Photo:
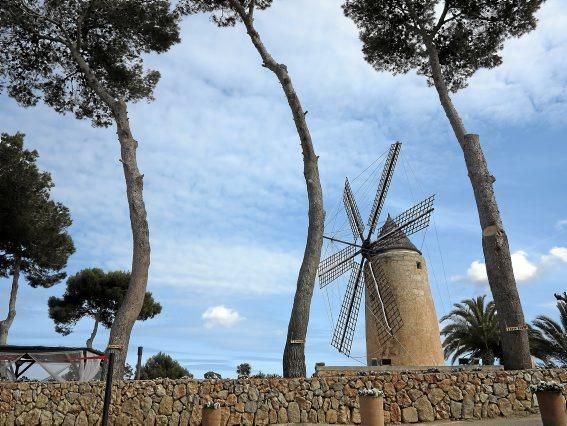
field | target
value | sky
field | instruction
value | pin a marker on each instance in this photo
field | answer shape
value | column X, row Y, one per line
column 225, row 191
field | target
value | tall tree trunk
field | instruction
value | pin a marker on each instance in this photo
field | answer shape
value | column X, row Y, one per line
column 515, row 344
column 90, row 340
column 294, row 352
column 134, row 299
column 7, row 323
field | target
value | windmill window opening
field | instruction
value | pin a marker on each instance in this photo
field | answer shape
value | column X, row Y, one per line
column 418, row 265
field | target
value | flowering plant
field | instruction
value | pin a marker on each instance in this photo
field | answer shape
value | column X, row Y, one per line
column 370, row 392
column 212, row 405
column 546, row 387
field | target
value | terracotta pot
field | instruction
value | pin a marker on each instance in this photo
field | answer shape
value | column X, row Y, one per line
column 211, row 417
column 552, row 408
column 371, row 410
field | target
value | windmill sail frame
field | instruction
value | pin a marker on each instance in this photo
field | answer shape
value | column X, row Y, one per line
column 382, row 303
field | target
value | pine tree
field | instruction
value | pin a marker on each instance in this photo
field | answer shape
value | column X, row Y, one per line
column 448, row 41
column 34, row 238
column 228, row 13
column 96, row 294
column 85, row 57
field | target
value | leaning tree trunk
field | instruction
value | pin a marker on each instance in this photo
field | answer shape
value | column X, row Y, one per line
column 90, row 340
column 515, row 342
column 7, row 323
column 134, row 299
column 294, row 352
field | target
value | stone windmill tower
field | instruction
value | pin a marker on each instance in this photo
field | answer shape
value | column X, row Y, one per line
column 406, row 286
column 401, row 323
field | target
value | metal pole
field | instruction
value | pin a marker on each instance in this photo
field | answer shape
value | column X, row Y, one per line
column 108, row 389
column 139, row 363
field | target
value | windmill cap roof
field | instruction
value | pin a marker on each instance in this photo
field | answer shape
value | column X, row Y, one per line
column 401, row 243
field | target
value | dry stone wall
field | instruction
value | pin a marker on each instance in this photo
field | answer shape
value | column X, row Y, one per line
column 410, row 397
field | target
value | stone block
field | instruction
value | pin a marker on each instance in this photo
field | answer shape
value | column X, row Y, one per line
column 456, row 409
column 293, row 413
column 424, row 408
column 409, row 415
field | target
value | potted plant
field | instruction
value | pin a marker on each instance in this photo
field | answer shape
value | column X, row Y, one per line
column 371, row 407
column 211, row 414
column 551, row 403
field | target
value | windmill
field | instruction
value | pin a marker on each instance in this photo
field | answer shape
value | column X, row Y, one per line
column 357, row 256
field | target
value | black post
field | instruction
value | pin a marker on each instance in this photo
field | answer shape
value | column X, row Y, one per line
column 139, row 363
column 108, row 389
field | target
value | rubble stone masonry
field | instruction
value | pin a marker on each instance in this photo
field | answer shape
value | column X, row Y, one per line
column 410, row 397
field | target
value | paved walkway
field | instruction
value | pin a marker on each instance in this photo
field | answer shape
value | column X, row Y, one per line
column 520, row 421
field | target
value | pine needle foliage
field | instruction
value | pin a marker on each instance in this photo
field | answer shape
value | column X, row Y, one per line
column 33, row 227
column 96, row 294
column 36, row 59
column 468, row 34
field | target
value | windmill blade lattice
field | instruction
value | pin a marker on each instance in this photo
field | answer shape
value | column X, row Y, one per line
column 382, row 304
column 408, row 223
column 337, row 264
column 353, row 214
column 383, row 186
column 346, row 324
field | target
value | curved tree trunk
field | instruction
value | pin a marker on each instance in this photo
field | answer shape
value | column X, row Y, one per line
column 515, row 344
column 294, row 352
column 134, row 299
column 90, row 340
column 7, row 323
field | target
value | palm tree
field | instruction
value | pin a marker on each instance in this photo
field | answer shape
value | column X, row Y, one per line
column 548, row 338
column 472, row 329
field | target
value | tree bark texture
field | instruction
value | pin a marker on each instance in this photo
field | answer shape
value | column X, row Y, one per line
column 515, row 344
column 7, row 323
column 134, row 299
column 90, row 340
column 294, row 352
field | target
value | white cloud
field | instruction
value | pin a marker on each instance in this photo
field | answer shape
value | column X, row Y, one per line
column 221, row 316
column 559, row 253
column 524, row 270
column 555, row 255
column 561, row 224
column 477, row 272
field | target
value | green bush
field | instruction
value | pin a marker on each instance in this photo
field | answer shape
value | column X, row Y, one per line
column 163, row 366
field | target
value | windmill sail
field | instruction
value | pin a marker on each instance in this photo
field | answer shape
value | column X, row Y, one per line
column 346, row 324
column 383, row 186
column 382, row 304
column 409, row 222
column 335, row 265
column 352, row 212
